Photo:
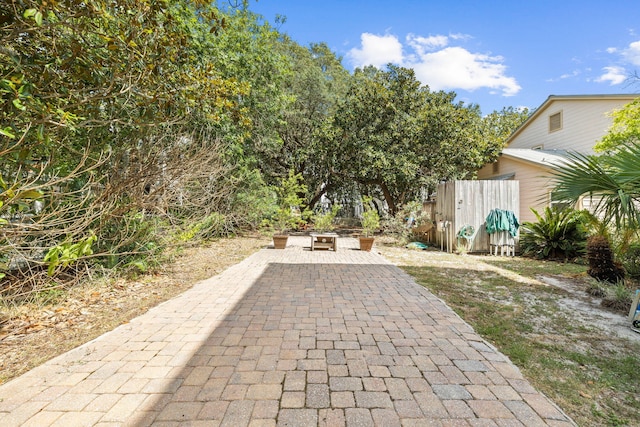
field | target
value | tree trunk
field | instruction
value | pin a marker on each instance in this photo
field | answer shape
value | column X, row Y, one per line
column 393, row 208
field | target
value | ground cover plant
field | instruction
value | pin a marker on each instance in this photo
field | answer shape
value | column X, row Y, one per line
column 581, row 355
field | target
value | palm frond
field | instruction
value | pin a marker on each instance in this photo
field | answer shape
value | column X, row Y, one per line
column 583, row 175
column 613, row 180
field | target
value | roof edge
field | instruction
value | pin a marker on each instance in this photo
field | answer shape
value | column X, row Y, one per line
column 553, row 157
column 551, row 98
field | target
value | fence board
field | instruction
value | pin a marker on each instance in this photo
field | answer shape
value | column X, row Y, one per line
column 466, row 204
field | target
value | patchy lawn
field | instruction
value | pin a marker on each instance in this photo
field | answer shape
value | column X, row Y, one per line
column 581, row 355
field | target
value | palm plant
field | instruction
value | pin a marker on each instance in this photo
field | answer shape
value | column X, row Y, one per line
column 559, row 234
column 601, row 264
column 612, row 180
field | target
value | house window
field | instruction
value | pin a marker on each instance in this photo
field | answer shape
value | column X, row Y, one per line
column 555, row 121
column 496, row 167
column 555, row 202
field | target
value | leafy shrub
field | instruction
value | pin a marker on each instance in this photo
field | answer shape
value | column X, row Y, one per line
column 409, row 224
column 288, row 215
column 252, row 202
column 370, row 217
column 560, row 234
column 630, row 259
column 131, row 237
column 618, row 297
column 212, row 226
column 67, row 253
column 596, row 289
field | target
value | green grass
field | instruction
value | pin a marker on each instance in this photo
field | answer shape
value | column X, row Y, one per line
column 594, row 378
column 531, row 268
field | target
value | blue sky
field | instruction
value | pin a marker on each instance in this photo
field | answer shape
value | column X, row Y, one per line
column 491, row 53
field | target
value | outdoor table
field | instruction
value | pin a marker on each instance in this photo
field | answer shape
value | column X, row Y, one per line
column 324, row 241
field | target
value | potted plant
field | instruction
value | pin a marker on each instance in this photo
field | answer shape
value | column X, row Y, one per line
column 287, row 214
column 370, row 223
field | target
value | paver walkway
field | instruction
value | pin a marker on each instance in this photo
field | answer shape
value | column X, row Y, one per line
column 286, row 338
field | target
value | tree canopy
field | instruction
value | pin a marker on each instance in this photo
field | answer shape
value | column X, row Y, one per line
column 129, row 125
column 625, row 128
column 112, row 116
column 393, row 135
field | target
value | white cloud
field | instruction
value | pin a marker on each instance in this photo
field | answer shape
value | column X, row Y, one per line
column 460, row 36
column 422, row 44
column 436, row 63
column 574, row 73
column 457, row 68
column 376, row 50
column 614, row 75
column 632, row 53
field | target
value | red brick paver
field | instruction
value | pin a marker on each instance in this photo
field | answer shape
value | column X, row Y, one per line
column 286, row 338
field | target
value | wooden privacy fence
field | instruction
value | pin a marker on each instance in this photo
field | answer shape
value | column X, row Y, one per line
column 462, row 208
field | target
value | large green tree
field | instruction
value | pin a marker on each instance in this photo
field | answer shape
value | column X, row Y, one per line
column 104, row 68
column 499, row 125
column 314, row 79
column 624, row 129
column 393, row 135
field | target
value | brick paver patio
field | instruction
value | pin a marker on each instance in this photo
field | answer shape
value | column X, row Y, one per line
column 286, row 338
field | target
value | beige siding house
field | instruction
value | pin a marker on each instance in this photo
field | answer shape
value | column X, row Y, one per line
column 562, row 123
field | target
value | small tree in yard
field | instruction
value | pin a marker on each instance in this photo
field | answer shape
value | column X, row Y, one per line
column 324, row 221
column 289, row 194
column 370, row 218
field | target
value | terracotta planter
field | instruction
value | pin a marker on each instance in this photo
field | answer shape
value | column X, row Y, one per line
column 280, row 241
column 366, row 243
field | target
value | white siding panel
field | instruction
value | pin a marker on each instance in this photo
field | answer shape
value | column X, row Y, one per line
column 486, row 172
column 535, row 184
column 584, row 122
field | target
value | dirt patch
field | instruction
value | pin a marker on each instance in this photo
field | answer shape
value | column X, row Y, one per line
column 574, row 300
column 589, row 311
column 34, row 333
